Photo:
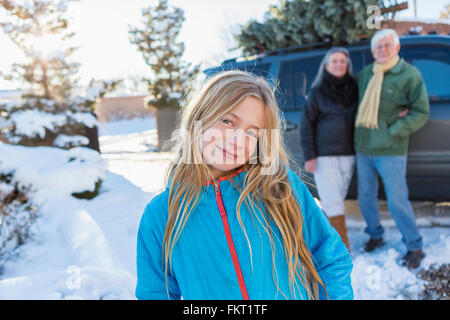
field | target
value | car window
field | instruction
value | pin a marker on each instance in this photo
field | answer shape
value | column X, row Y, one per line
column 305, row 72
column 431, row 61
column 285, row 91
column 295, row 78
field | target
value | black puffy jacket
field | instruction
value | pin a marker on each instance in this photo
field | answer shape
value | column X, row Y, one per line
column 327, row 125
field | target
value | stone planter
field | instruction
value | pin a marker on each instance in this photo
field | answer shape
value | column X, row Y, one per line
column 166, row 121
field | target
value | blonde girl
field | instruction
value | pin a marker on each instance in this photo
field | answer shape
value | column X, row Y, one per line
column 234, row 222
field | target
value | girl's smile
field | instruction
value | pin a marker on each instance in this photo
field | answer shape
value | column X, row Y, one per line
column 227, row 154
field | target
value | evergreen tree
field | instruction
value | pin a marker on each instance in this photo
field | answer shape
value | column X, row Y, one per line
column 299, row 22
column 40, row 29
column 156, row 39
column 33, row 26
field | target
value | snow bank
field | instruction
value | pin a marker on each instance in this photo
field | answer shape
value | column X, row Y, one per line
column 50, row 169
column 82, row 249
column 381, row 277
column 32, row 123
column 378, row 275
column 65, row 141
column 74, row 283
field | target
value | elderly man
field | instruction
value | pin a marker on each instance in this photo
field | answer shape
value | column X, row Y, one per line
column 393, row 103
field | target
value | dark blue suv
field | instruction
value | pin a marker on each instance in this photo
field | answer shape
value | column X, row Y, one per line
column 429, row 151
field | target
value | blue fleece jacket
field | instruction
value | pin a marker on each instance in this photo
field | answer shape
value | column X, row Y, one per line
column 202, row 262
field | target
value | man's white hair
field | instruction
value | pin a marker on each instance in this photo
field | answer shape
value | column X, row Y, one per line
column 380, row 34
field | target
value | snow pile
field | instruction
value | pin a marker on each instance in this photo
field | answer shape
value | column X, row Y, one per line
column 33, row 123
column 384, row 278
column 378, row 275
column 56, row 170
column 85, row 118
column 66, row 141
column 82, row 249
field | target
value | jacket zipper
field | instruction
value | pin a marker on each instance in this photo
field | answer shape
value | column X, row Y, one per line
column 226, row 227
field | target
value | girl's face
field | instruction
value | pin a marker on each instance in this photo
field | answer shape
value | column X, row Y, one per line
column 337, row 64
column 230, row 142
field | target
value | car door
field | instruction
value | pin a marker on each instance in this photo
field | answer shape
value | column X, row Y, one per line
column 429, row 149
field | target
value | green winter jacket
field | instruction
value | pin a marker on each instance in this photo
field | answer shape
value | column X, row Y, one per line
column 403, row 87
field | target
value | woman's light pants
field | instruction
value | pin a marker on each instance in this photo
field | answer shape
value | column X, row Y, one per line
column 333, row 176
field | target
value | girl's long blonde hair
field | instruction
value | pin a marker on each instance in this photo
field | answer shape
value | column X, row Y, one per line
column 220, row 94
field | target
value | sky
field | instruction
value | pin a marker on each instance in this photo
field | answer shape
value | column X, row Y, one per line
column 102, row 33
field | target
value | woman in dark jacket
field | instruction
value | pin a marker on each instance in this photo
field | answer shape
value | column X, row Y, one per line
column 327, row 134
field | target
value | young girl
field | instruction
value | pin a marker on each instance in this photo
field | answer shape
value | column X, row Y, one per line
column 234, row 222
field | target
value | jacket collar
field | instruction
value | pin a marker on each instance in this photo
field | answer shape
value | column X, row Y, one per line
column 226, row 187
column 398, row 67
column 224, row 178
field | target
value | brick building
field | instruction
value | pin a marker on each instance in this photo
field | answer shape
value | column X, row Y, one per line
column 420, row 26
column 127, row 107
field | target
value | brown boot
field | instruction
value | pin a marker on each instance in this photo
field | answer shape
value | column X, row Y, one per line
column 338, row 222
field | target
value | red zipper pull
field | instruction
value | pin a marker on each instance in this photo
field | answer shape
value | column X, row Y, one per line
column 219, row 199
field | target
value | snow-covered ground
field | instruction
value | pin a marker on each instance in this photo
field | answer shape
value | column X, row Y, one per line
column 85, row 249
